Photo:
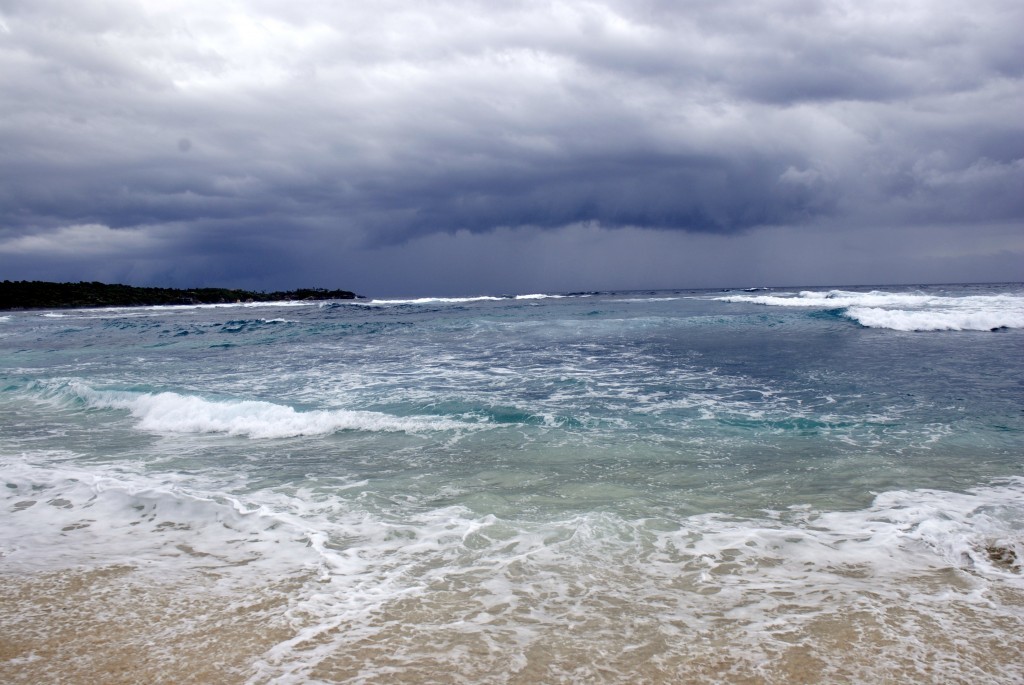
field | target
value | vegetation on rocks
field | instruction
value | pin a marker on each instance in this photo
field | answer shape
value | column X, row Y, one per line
column 45, row 295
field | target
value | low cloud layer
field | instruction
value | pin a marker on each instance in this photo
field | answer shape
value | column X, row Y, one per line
column 267, row 145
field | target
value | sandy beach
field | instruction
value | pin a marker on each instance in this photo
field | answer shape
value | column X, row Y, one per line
column 116, row 625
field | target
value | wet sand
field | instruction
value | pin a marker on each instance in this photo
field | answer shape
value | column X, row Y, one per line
column 119, row 625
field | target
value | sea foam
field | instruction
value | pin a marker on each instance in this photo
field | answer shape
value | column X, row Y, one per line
column 62, row 516
column 170, row 412
column 744, row 584
column 905, row 311
column 963, row 319
column 437, row 300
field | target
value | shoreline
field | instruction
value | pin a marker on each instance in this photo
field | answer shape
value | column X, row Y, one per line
column 124, row 624
column 35, row 295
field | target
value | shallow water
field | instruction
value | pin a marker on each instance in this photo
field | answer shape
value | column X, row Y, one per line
column 683, row 486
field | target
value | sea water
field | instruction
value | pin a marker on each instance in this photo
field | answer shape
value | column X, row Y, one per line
column 819, row 485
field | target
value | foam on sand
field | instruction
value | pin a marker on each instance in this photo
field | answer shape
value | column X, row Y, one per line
column 407, row 598
column 902, row 576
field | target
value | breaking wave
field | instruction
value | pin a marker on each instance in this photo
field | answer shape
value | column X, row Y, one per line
column 464, row 300
column 905, row 311
column 437, row 300
column 170, row 412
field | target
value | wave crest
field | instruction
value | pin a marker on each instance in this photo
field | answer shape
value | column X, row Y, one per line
column 170, row 412
column 905, row 311
column 932, row 320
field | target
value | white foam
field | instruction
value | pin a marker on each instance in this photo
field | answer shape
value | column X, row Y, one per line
column 231, row 305
column 836, row 299
column 539, row 296
column 943, row 320
column 396, row 587
column 157, row 310
column 65, row 516
column 438, row 300
column 164, row 309
column 906, row 311
column 169, row 412
column 596, row 579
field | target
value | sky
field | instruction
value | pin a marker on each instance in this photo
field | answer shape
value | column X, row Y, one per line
column 401, row 147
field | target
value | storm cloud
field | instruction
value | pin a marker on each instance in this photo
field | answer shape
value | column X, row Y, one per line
column 397, row 146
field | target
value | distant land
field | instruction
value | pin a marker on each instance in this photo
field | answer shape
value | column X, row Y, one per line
column 44, row 295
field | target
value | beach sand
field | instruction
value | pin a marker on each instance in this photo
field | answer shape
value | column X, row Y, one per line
column 118, row 624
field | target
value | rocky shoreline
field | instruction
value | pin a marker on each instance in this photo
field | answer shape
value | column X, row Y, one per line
column 46, row 295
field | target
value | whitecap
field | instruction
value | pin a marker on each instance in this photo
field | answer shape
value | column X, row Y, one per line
column 910, row 311
column 170, row 412
column 437, row 300
column 950, row 319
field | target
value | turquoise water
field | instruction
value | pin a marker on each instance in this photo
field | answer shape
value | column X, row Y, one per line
column 560, row 488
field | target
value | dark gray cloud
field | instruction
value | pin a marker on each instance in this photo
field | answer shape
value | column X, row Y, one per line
column 184, row 140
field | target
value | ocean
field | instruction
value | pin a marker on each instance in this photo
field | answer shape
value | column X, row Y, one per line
column 694, row 486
